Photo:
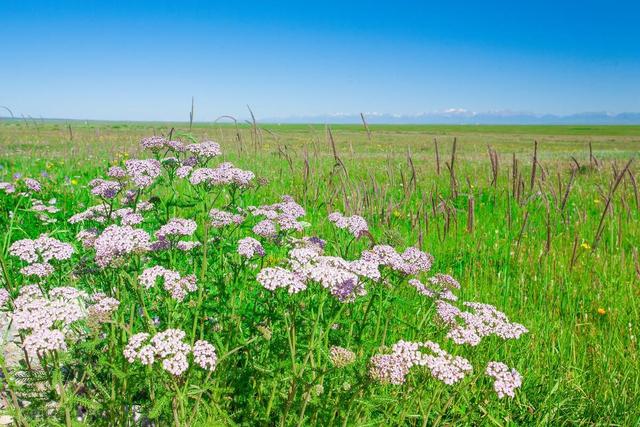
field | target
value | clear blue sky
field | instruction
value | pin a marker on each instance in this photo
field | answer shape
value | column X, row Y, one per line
column 143, row 60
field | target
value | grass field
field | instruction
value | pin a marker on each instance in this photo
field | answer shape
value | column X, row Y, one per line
column 543, row 222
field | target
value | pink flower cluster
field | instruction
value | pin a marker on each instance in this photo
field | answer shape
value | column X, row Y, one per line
column 169, row 347
column 250, row 247
column 128, row 216
column 204, row 355
column 224, row 174
column 116, row 172
column 117, row 241
column 4, row 297
column 37, row 269
column 96, row 213
column 272, row 278
column 356, row 224
column 105, row 189
column 46, row 318
column 441, row 287
column 485, row 320
column 39, row 206
column 143, row 173
column 7, row 187
column 87, row 237
column 176, row 285
column 102, row 308
column 38, row 253
column 205, row 149
column 153, row 143
column 283, row 216
column 411, row 262
column 341, row 357
column 265, row 228
column 169, row 234
column 176, row 227
column 220, row 218
column 506, row 380
column 44, row 248
column 342, row 278
column 393, row 368
column 33, row 185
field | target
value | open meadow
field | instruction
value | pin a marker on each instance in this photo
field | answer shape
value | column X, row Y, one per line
column 164, row 303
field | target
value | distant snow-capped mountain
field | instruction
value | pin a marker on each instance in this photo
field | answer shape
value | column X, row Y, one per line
column 462, row 116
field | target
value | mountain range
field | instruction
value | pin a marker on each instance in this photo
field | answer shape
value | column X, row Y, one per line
column 460, row 116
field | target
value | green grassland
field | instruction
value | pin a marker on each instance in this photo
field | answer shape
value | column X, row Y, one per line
column 556, row 251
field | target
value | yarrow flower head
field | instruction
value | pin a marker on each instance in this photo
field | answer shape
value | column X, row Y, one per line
column 265, row 228
column 7, row 187
column 250, row 247
column 102, row 308
column 33, row 185
column 506, row 380
column 43, row 248
column 4, row 297
column 341, row 357
column 175, row 284
column 411, row 262
column 206, row 149
column 46, row 318
column 96, row 213
column 169, row 348
column 128, row 216
column 272, row 278
column 441, row 287
column 38, row 269
column 177, row 227
column 224, row 174
column 220, row 218
column 284, row 214
column 153, row 143
column 43, row 341
column 143, row 173
column 356, row 224
column 117, row 241
column 342, row 278
column 105, row 189
column 204, row 355
column 169, row 234
column 393, row 368
column 485, row 320
column 88, row 237
column 183, row 171
column 116, row 172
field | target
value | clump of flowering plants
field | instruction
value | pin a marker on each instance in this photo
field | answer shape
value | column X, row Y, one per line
column 175, row 298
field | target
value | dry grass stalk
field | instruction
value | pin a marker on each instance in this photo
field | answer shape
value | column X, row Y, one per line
column 470, row 214
column 366, row 126
column 435, row 142
column 534, row 164
column 612, row 192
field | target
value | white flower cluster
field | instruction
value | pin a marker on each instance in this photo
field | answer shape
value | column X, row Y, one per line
column 38, row 253
column 46, row 319
column 393, row 368
column 169, row 348
column 506, row 380
column 356, row 224
column 281, row 216
column 175, row 284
